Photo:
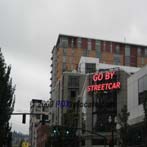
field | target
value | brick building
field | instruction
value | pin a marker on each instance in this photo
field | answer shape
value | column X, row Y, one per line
column 68, row 50
column 42, row 135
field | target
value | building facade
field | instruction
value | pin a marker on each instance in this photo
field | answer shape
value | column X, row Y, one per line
column 74, row 62
column 42, row 135
column 39, row 107
column 65, row 94
column 68, row 50
column 137, row 94
column 107, row 102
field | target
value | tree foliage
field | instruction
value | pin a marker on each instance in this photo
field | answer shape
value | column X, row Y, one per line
column 7, row 100
column 123, row 122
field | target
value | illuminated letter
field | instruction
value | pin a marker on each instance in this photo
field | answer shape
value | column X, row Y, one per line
column 106, row 86
column 112, row 74
column 110, row 84
column 95, row 87
column 58, row 103
column 107, row 75
column 102, row 86
column 95, row 77
column 118, row 84
column 100, row 76
column 88, row 88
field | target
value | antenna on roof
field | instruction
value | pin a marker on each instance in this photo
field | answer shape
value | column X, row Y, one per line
column 125, row 39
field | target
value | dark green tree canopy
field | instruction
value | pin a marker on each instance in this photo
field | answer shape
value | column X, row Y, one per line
column 7, row 99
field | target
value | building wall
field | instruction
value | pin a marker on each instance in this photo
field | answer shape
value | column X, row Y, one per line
column 121, row 101
column 122, row 93
column 36, row 106
column 136, row 110
column 42, row 135
column 69, row 49
column 61, row 93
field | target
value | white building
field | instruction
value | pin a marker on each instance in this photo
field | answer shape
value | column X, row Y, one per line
column 137, row 88
column 36, row 106
column 89, row 62
column 88, row 65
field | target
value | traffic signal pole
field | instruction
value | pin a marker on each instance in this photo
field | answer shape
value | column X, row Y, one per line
column 24, row 116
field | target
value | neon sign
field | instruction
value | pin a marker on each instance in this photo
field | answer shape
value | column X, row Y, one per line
column 104, row 86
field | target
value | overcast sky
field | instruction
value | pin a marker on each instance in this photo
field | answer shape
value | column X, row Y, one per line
column 29, row 30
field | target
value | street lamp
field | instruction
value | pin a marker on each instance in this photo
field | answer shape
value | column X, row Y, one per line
column 113, row 121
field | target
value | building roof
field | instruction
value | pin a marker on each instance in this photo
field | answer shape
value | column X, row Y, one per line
column 73, row 36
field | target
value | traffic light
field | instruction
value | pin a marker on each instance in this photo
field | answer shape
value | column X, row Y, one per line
column 56, row 131
column 69, row 132
column 24, row 118
column 63, row 131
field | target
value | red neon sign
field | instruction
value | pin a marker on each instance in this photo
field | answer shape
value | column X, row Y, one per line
column 104, row 86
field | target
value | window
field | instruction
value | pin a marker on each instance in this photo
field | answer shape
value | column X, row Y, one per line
column 85, row 52
column 142, row 60
column 139, row 51
column 127, row 60
column 104, row 46
column 145, row 52
column 64, row 67
column 90, row 67
column 117, row 49
column 64, row 42
column 64, row 51
column 142, row 89
column 89, row 44
column 111, row 47
column 133, row 61
column 64, row 59
column 116, row 59
column 72, row 51
column 97, row 45
column 73, row 81
column 70, row 59
column 98, row 49
column 73, row 93
column 37, row 116
column 79, row 43
column 38, row 109
column 72, row 43
column 127, row 50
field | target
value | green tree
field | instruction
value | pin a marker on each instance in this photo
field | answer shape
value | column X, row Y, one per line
column 7, row 100
column 123, row 122
column 145, row 119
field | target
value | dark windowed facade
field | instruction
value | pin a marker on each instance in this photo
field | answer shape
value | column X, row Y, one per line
column 73, row 82
column 90, row 67
column 136, row 136
column 104, row 106
column 142, row 89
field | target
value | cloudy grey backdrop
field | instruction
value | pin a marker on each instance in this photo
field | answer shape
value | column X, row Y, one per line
column 29, row 29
